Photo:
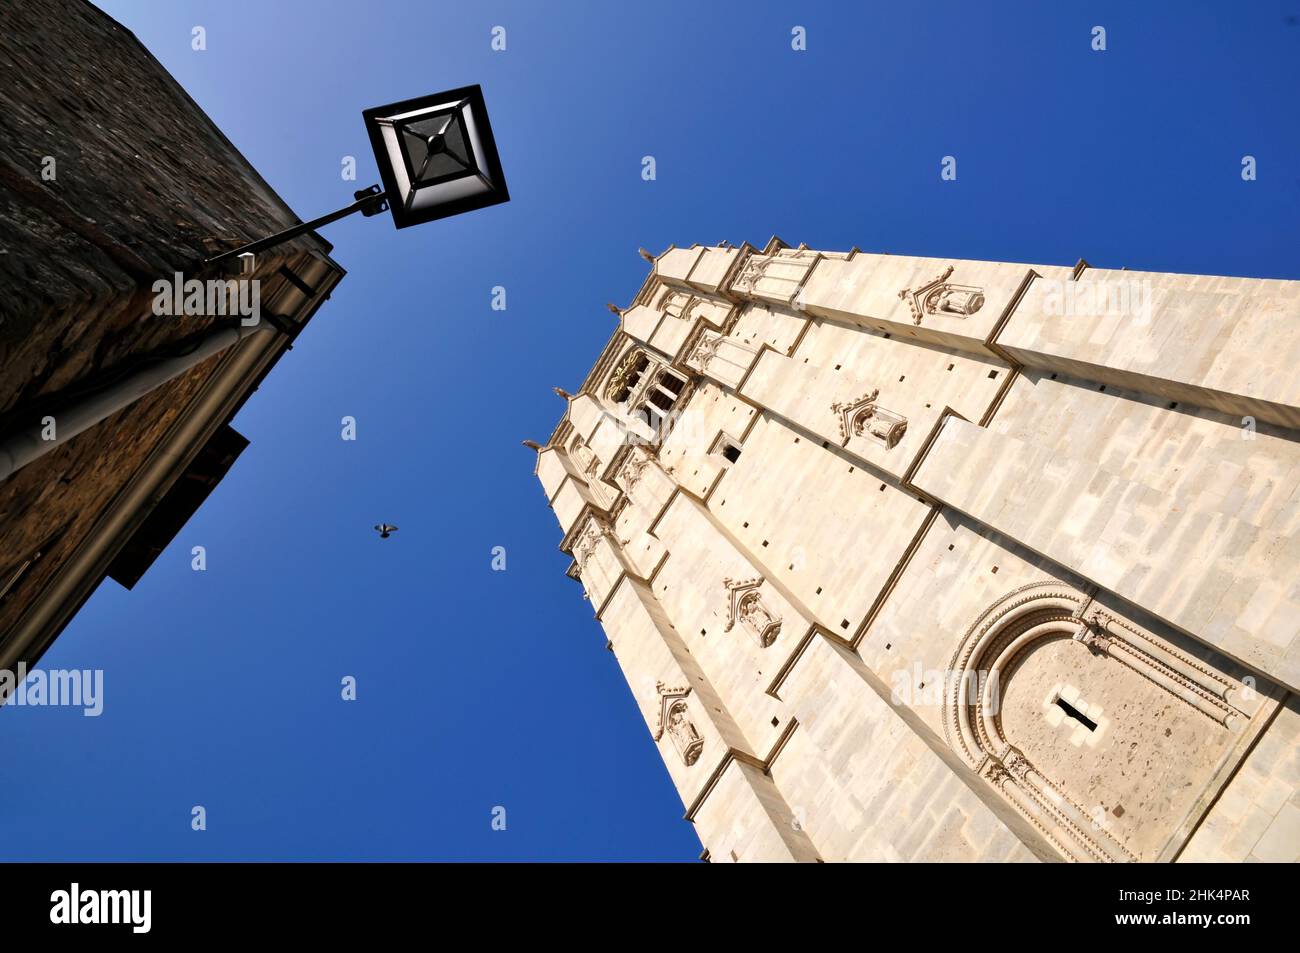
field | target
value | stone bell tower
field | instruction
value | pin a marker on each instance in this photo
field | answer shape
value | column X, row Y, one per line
column 921, row 559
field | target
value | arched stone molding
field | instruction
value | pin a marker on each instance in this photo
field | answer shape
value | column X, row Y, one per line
column 989, row 652
column 702, row 349
column 587, row 539
column 634, row 466
column 677, row 304
column 584, row 457
column 589, row 466
column 775, row 277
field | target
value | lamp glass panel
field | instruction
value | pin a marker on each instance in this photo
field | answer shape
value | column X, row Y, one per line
column 436, row 156
column 436, row 147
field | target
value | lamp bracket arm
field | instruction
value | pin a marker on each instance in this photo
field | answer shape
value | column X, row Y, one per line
column 368, row 201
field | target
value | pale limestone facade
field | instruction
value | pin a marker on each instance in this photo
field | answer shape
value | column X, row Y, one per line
column 918, row 559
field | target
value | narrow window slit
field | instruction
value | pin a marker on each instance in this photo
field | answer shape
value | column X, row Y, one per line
column 1077, row 715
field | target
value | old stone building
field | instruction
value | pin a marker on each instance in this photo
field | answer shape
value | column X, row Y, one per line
column 112, row 178
column 920, row 559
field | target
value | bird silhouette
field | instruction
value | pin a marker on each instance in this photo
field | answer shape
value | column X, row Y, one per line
column 385, row 530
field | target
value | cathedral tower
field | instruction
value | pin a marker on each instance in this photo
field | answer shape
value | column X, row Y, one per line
column 921, row 559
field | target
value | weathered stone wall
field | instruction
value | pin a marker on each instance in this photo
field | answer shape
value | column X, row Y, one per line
column 1257, row 817
column 143, row 185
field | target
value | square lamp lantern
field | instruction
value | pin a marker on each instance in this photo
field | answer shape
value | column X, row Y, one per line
column 436, row 156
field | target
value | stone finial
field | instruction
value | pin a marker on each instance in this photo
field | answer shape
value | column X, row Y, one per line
column 561, row 392
column 614, row 308
column 532, row 444
column 646, row 255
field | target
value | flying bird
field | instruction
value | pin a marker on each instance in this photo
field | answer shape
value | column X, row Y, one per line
column 385, row 530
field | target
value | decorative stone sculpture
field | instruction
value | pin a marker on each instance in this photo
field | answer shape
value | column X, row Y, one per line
column 960, row 300
column 587, row 542
column 745, row 605
column 632, row 470
column 940, row 297
column 674, row 717
column 750, row 274
column 686, row 739
column 864, row 418
column 704, row 349
column 588, row 462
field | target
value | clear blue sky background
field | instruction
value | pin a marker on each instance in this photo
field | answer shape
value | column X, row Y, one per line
column 479, row 688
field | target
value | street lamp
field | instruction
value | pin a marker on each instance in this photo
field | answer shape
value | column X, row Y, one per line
column 436, row 157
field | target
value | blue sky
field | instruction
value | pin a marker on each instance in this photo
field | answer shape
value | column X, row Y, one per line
column 481, row 688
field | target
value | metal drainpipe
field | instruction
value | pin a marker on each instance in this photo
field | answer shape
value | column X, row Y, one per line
column 28, row 445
